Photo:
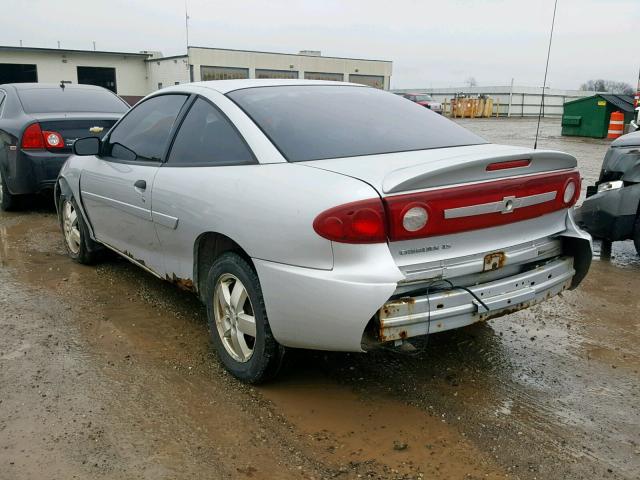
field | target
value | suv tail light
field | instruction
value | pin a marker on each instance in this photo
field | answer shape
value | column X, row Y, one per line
column 357, row 222
column 34, row 138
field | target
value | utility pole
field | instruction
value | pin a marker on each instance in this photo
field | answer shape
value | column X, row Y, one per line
column 94, row 45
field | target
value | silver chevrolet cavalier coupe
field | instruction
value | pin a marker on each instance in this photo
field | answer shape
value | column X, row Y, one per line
column 322, row 215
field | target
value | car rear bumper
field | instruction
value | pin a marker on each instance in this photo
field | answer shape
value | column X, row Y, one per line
column 452, row 308
column 34, row 171
column 365, row 299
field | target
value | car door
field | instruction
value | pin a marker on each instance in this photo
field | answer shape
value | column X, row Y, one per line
column 193, row 188
column 116, row 187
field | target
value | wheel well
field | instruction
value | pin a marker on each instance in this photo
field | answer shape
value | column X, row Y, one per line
column 208, row 247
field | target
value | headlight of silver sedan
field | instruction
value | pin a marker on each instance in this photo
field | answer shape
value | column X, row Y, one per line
column 606, row 186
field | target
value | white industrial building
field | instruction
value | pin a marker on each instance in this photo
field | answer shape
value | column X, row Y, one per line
column 133, row 75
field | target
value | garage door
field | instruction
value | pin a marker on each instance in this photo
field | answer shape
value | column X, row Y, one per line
column 18, row 73
column 370, row 80
column 101, row 76
column 223, row 73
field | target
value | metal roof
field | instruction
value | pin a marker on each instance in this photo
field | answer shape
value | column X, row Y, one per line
column 623, row 102
column 66, row 50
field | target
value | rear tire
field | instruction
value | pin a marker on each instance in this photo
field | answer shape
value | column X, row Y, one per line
column 77, row 241
column 636, row 234
column 238, row 321
column 8, row 201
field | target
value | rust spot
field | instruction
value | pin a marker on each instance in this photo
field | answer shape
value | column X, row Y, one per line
column 494, row 261
column 181, row 283
column 129, row 255
column 403, row 334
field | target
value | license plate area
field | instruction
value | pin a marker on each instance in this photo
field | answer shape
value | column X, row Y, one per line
column 494, row 261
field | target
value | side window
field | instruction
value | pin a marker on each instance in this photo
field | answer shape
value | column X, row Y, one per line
column 143, row 134
column 207, row 137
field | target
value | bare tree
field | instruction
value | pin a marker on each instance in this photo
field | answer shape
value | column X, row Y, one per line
column 610, row 86
column 471, row 82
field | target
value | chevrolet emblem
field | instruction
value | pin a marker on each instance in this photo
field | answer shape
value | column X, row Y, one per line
column 96, row 129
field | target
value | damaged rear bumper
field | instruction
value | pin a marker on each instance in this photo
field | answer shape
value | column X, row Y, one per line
column 453, row 308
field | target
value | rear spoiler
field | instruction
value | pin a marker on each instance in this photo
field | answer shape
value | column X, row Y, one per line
column 473, row 168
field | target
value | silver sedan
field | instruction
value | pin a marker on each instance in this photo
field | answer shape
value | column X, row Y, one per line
column 322, row 215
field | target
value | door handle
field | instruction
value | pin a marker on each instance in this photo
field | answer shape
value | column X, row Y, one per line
column 140, row 184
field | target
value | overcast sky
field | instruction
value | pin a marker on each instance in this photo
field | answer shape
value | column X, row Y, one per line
column 431, row 43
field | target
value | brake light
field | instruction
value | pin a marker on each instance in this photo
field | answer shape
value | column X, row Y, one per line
column 32, row 137
column 53, row 139
column 481, row 205
column 508, row 164
column 363, row 221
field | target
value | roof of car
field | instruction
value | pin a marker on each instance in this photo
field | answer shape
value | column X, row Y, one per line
column 225, row 86
column 38, row 86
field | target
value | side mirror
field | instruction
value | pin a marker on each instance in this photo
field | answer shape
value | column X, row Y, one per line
column 87, row 146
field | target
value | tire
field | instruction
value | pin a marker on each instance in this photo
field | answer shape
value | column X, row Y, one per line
column 77, row 241
column 8, row 201
column 251, row 359
column 636, row 234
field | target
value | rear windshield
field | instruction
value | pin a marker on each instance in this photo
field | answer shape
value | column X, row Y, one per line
column 314, row 122
column 48, row 100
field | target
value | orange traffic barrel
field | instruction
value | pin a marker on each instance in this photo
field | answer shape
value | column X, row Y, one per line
column 616, row 125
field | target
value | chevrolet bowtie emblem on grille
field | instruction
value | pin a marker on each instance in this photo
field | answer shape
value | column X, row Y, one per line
column 96, row 129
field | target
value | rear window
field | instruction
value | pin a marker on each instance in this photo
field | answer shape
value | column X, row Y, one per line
column 315, row 122
column 48, row 100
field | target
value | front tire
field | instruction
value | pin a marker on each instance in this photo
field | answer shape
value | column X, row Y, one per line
column 77, row 241
column 238, row 321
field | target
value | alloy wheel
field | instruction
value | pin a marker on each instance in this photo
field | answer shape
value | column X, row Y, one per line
column 234, row 317
column 71, row 227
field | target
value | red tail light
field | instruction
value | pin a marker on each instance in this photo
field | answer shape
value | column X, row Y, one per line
column 483, row 205
column 357, row 222
column 53, row 139
column 32, row 137
column 449, row 210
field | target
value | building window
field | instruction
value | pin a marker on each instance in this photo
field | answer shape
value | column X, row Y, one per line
column 18, row 73
column 265, row 73
column 159, row 85
column 176, row 83
column 334, row 77
column 101, row 76
column 223, row 73
column 370, row 80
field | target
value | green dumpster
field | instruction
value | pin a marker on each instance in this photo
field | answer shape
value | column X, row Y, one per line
column 589, row 116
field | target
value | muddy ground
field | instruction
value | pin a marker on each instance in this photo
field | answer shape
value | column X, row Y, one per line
column 107, row 373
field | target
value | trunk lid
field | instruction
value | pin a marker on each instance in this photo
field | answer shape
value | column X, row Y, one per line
column 75, row 126
column 401, row 172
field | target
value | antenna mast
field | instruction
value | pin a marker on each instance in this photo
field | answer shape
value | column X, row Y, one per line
column 186, row 22
column 546, row 69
